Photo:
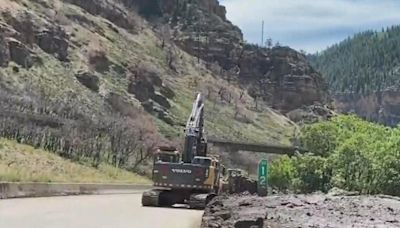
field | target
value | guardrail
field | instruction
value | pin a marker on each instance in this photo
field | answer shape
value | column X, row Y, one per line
column 22, row 190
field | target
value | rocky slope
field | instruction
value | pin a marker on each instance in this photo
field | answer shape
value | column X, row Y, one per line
column 275, row 76
column 86, row 75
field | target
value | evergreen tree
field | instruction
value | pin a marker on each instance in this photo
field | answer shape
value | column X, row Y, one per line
column 365, row 63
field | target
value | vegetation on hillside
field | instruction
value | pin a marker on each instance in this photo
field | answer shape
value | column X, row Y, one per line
column 346, row 152
column 27, row 164
column 108, row 86
column 365, row 63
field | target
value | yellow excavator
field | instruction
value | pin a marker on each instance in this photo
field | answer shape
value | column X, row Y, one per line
column 189, row 177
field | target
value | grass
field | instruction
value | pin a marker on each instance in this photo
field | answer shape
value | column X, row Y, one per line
column 57, row 80
column 267, row 127
column 21, row 163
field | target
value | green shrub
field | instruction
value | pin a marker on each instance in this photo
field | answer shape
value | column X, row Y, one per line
column 281, row 173
column 312, row 174
column 346, row 152
column 352, row 165
column 320, row 138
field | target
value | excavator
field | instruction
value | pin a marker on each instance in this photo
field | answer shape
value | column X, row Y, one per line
column 190, row 177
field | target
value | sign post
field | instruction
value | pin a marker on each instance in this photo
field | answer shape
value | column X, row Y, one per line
column 262, row 184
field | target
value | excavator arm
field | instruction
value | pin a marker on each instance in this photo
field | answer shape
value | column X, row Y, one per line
column 195, row 142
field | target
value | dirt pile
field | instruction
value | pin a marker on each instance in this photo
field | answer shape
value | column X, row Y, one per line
column 240, row 184
column 315, row 210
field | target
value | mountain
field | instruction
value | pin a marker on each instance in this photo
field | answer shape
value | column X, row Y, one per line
column 363, row 73
column 108, row 80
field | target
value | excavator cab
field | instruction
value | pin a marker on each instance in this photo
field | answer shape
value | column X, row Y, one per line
column 203, row 161
column 166, row 154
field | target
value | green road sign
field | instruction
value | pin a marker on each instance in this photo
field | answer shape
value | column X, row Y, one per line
column 262, row 177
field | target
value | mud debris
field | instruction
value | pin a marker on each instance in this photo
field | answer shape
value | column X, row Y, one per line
column 314, row 210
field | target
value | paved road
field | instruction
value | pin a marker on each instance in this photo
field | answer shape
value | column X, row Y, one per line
column 93, row 211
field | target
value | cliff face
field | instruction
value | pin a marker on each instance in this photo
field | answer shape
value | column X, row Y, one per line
column 380, row 107
column 280, row 77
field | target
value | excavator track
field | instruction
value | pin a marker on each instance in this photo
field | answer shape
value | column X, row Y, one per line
column 151, row 198
column 162, row 198
column 200, row 201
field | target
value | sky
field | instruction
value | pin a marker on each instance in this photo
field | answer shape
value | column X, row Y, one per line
column 310, row 25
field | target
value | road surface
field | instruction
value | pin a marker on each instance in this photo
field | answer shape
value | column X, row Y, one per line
column 93, row 211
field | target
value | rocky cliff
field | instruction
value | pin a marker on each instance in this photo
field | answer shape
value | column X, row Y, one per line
column 281, row 77
column 382, row 107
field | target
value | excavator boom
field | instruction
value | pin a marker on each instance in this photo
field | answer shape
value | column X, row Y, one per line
column 195, row 142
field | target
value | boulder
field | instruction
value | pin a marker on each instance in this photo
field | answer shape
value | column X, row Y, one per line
column 54, row 41
column 250, row 223
column 240, row 184
column 20, row 54
column 311, row 114
column 89, row 80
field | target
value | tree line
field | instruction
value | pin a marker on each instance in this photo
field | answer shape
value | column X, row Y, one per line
column 365, row 63
column 125, row 141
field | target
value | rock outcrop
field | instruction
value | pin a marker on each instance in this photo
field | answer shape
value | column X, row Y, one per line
column 281, row 77
column 89, row 80
column 4, row 52
column 311, row 114
column 54, row 41
column 148, row 87
column 20, row 53
column 382, row 107
column 25, row 30
column 113, row 12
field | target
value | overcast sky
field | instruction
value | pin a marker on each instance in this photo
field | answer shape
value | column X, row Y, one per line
column 311, row 25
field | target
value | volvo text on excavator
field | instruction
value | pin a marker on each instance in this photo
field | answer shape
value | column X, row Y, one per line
column 189, row 177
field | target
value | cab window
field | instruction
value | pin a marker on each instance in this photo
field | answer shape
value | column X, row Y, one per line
column 202, row 161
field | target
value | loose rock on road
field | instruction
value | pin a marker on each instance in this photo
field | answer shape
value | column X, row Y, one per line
column 93, row 211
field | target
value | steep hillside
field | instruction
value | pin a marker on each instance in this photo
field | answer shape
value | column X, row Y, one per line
column 110, row 80
column 363, row 72
column 26, row 164
column 274, row 76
